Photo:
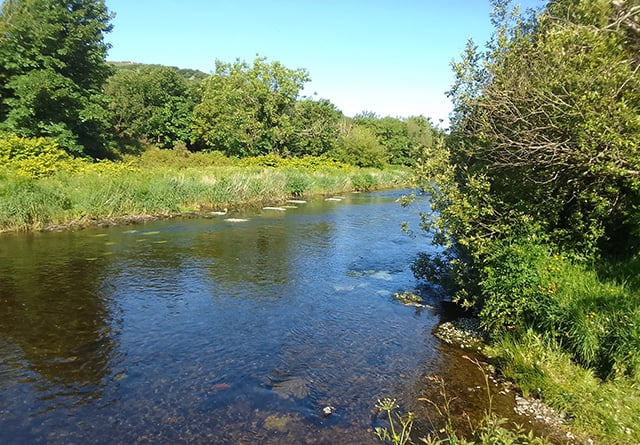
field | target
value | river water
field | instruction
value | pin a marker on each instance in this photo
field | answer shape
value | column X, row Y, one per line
column 234, row 329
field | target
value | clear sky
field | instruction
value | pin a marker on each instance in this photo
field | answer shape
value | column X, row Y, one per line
column 391, row 57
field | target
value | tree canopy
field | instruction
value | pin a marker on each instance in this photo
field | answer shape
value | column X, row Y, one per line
column 247, row 110
column 52, row 69
column 548, row 116
column 151, row 103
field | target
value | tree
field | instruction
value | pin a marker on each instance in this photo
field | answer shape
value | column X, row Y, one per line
column 152, row 103
column 315, row 127
column 359, row 146
column 247, row 110
column 391, row 133
column 52, row 69
column 549, row 117
column 422, row 134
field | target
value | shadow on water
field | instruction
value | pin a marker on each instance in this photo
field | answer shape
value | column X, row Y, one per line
column 220, row 329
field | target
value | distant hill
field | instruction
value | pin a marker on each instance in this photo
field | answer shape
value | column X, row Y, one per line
column 187, row 73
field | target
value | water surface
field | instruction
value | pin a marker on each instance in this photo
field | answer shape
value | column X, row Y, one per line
column 207, row 330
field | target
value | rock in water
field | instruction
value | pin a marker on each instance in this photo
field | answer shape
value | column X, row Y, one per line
column 328, row 410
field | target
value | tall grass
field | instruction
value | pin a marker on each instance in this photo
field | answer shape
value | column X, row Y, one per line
column 571, row 334
column 594, row 317
column 163, row 182
column 604, row 411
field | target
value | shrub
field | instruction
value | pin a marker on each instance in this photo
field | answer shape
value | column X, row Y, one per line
column 516, row 287
column 32, row 157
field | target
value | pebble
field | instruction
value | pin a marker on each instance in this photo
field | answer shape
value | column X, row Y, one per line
column 463, row 332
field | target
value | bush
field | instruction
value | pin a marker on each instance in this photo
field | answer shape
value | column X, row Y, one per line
column 360, row 147
column 32, row 157
column 309, row 163
column 516, row 287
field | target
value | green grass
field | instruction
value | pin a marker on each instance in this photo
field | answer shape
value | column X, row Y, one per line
column 605, row 411
column 568, row 332
column 164, row 182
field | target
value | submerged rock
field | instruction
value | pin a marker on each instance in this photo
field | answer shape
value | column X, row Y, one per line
column 463, row 332
column 409, row 298
column 277, row 423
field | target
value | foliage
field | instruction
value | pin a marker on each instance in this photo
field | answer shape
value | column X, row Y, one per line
column 391, row 133
column 179, row 158
column 31, row 157
column 315, row 128
column 186, row 73
column 247, row 110
column 517, row 285
column 548, row 115
column 152, row 103
column 52, row 70
column 422, row 134
column 403, row 139
column 311, row 163
column 359, row 146
column 41, row 157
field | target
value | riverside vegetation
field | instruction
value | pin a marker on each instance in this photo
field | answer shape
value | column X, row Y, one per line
column 77, row 134
column 48, row 188
column 535, row 197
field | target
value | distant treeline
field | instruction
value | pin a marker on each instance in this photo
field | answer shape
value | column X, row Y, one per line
column 55, row 83
column 253, row 109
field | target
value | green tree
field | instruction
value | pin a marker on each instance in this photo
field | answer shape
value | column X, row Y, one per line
column 315, row 127
column 151, row 103
column 359, row 146
column 549, row 116
column 422, row 135
column 246, row 110
column 52, row 69
column 391, row 133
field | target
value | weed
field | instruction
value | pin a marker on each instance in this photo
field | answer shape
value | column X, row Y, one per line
column 399, row 430
column 489, row 430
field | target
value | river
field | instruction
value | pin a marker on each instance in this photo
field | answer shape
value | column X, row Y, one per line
column 226, row 329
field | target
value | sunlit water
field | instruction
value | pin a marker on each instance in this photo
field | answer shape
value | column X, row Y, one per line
column 206, row 330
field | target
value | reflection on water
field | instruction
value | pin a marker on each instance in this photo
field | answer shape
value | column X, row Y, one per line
column 213, row 331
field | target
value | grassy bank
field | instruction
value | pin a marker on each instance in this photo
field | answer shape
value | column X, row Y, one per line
column 572, row 337
column 580, row 348
column 42, row 191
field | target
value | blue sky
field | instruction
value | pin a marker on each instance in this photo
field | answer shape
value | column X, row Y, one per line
column 391, row 57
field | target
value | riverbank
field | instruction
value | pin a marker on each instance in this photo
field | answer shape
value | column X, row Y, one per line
column 166, row 183
column 575, row 405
